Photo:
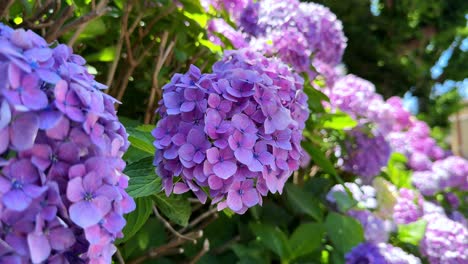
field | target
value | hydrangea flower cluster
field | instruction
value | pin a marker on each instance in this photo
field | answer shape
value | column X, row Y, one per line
column 236, row 131
column 379, row 254
column 293, row 31
column 451, row 172
column 358, row 98
column 366, row 154
column 445, row 241
column 363, row 194
column 416, row 144
column 376, row 230
column 62, row 190
column 408, row 207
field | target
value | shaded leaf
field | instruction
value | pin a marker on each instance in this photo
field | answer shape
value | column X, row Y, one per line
column 176, row 208
column 345, row 232
column 272, row 238
column 303, row 201
column 344, row 201
column 143, row 179
column 141, row 138
column 319, row 158
column 137, row 218
column 306, row 239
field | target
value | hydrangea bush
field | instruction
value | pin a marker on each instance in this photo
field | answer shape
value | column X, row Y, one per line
column 236, row 131
column 62, row 189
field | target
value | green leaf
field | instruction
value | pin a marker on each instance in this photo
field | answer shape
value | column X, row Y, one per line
column 344, row 201
column 303, row 201
column 137, row 218
column 413, row 232
column 319, row 158
column 339, row 121
column 397, row 172
column 176, row 208
column 306, row 239
column 272, row 238
column 344, row 232
column 143, row 179
column 141, row 138
column 94, row 28
column 106, row 54
column 250, row 254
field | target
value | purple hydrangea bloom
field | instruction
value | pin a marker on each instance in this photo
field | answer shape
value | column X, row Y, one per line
column 64, row 143
column 376, row 230
column 354, row 96
column 247, row 143
column 451, row 172
column 381, row 253
column 290, row 30
column 445, row 241
column 365, row 253
column 416, row 144
column 365, row 154
column 409, row 207
column 323, row 31
column 396, row 255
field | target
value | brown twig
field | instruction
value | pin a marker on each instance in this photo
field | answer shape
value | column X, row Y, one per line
column 200, row 218
column 5, row 6
column 99, row 10
column 162, row 57
column 221, row 249
column 203, row 251
column 119, row 257
column 118, row 50
column 55, row 30
column 159, row 251
column 157, row 18
column 170, row 228
column 84, row 19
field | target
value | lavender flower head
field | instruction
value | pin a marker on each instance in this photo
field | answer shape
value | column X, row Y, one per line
column 366, row 154
column 235, row 132
column 324, row 32
column 445, row 241
column 62, row 190
column 409, row 207
column 381, row 253
column 376, row 230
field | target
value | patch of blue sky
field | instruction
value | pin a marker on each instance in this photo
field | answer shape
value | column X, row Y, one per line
column 374, row 7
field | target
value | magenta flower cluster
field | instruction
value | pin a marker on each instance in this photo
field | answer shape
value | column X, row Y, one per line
column 62, row 191
column 381, row 253
column 236, row 131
